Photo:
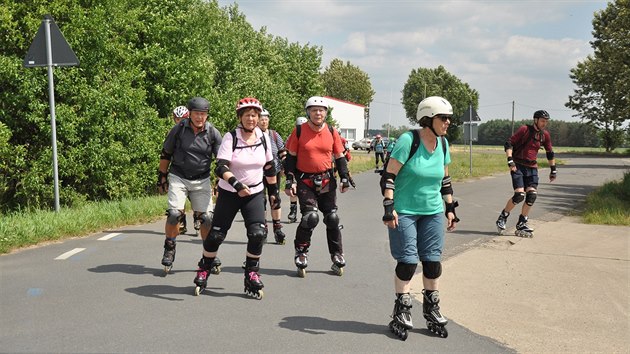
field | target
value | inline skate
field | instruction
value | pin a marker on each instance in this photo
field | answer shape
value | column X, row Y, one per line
column 169, row 254
column 216, row 266
column 277, row 232
column 522, row 229
column 252, row 282
column 401, row 321
column 338, row 263
column 431, row 310
column 301, row 259
column 204, row 270
column 501, row 221
column 292, row 213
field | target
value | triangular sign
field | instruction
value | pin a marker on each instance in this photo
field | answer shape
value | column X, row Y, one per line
column 62, row 54
column 467, row 118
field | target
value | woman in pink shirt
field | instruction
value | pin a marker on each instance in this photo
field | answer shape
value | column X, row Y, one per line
column 243, row 159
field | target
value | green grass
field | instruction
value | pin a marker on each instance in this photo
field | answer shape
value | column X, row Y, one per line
column 609, row 205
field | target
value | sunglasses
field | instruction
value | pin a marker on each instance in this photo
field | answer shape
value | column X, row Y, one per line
column 444, row 118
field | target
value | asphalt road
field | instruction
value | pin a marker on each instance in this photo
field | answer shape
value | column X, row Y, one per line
column 112, row 294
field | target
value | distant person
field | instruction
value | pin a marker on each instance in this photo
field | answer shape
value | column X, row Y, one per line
column 390, row 148
column 243, row 159
column 294, row 199
column 277, row 149
column 522, row 150
column 179, row 113
column 378, row 145
column 417, row 191
column 184, row 172
column 310, row 176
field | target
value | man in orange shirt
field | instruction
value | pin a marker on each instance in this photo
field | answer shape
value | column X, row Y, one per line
column 310, row 176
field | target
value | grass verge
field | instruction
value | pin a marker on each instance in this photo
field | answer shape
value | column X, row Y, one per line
column 609, row 204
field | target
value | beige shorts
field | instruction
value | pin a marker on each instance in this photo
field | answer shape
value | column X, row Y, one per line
column 198, row 191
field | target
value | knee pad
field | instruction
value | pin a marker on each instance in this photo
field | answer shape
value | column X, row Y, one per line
column 332, row 220
column 256, row 232
column 204, row 218
column 405, row 271
column 431, row 270
column 214, row 240
column 310, row 218
column 530, row 197
column 518, row 197
column 172, row 216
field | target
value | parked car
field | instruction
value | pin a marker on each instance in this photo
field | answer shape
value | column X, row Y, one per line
column 363, row 144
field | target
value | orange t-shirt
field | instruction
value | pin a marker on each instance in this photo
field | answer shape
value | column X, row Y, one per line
column 314, row 150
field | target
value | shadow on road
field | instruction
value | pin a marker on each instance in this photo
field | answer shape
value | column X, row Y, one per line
column 133, row 269
column 319, row 325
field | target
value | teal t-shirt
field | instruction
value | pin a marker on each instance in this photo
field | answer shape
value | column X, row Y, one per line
column 419, row 181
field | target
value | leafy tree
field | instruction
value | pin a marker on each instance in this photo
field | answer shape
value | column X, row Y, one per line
column 603, row 79
column 423, row 82
column 347, row 82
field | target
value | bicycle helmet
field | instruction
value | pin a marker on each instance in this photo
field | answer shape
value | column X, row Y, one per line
column 198, row 104
column 378, row 136
column 181, row 112
column 541, row 114
column 432, row 106
column 248, row 102
column 300, row 120
column 265, row 113
column 316, row 101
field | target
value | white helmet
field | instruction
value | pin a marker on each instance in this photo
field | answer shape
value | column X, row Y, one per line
column 300, row 120
column 180, row 112
column 265, row 113
column 432, row 106
column 316, row 101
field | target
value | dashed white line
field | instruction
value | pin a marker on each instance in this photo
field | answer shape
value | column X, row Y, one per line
column 109, row 236
column 70, row 253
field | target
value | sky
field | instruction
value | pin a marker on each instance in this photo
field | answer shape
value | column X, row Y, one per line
column 509, row 50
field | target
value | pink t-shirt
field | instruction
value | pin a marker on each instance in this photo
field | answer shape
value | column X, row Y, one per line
column 246, row 162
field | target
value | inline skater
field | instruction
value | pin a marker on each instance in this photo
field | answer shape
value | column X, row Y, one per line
column 417, row 190
column 379, row 151
column 293, row 199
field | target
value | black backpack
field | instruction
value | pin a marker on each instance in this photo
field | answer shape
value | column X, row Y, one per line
column 415, row 144
column 235, row 141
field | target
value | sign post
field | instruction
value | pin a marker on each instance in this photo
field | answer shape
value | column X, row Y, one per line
column 50, row 48
column 472, row 116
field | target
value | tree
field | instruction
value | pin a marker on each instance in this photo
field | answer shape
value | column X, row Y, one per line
column 347, row 82
column 424, row 82
column 603, row 79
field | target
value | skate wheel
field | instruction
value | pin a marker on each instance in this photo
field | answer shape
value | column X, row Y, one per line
column 198, row 290
column 500, row 231
column 443, row 332
column 301, row 272
column 215, row 270
column 167, row 269
column 280, row 242
column 337, row 270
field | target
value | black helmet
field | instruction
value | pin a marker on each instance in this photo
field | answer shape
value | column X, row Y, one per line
column 541, row 114
column 198, row 104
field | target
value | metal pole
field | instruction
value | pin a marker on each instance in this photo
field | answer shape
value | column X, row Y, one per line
column 512, row 117
column 470, row 134
column 51, row 99
column 389, row 120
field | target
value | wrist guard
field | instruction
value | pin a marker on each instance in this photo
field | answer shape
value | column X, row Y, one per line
column 450, row 208
column 388, row 206
column 272, row 189
column 236, row 184
column 447, row 187
column 554, row 170
column 510, row 162
column 290, row 181
column 342, row 167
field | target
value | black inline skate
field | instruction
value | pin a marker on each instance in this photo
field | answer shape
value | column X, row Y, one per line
column 338, row 263
column 293, row 213
column 169, row 254
column 204, row 270
column 181, row 220
column 197, row 225
column 431, row 310
column 522, row 229
column 216, row 266
column 401, row 321
column 301, row 259
column 277, row 232
column 252, row 282
column 501, row 221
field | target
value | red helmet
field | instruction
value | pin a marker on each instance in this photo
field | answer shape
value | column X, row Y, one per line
column 378, row 136
column 249, row 102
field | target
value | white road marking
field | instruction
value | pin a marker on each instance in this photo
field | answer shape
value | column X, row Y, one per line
column 109, row 236
column 70, row 253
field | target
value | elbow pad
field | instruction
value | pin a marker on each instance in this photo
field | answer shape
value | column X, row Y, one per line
column 290, row 164
column 269, row 169
column 387, row 182
column 507, row 146
column 447, row 187
column 165, row 155
column 223, row 166
column 550, row 155
column 342, row 166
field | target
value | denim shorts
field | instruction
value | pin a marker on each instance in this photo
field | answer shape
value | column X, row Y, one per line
column 417, row 238
column 524, row 177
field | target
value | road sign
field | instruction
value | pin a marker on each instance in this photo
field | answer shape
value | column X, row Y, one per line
column 62, row 54
column 470, row 115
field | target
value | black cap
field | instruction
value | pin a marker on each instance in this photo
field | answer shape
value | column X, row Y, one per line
column 198, row 104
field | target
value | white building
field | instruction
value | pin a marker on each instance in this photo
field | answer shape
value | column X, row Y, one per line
column 350, row 118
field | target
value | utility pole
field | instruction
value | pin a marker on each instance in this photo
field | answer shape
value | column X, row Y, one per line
column 512, row 117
